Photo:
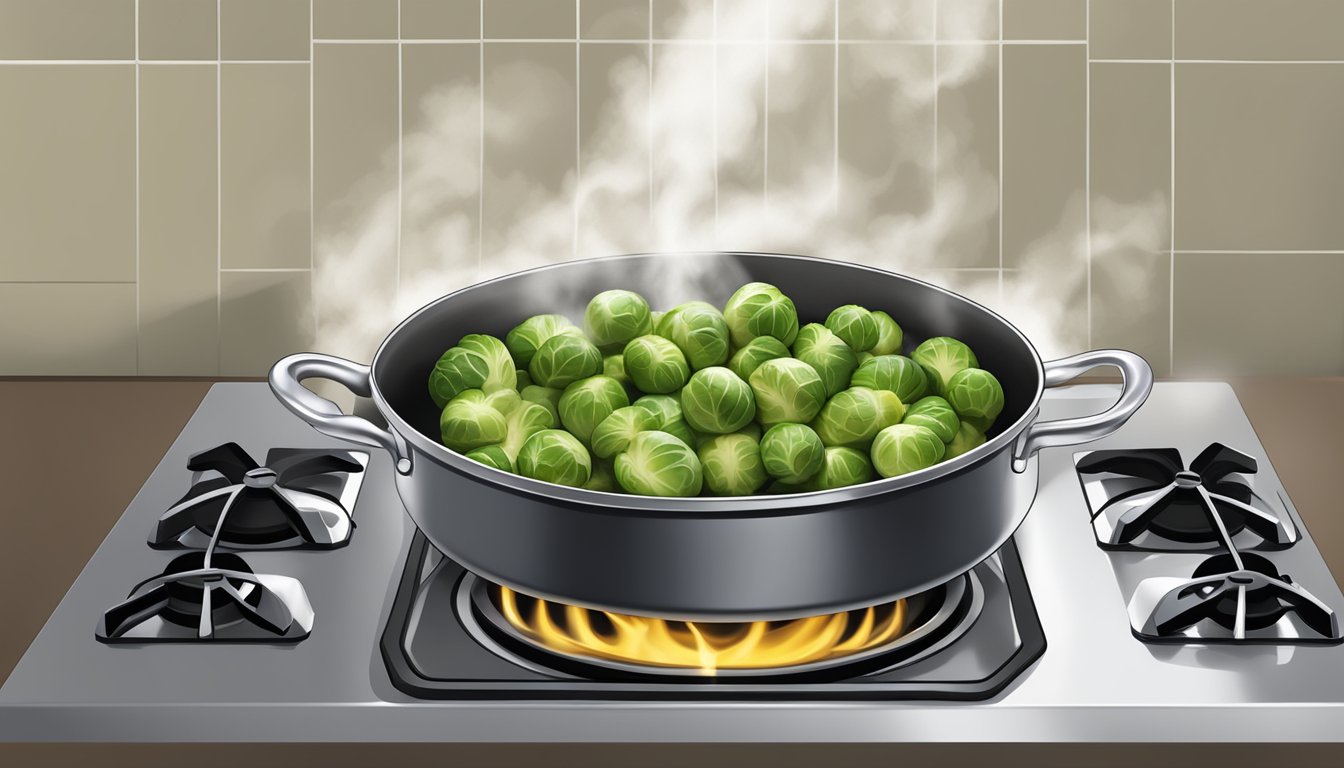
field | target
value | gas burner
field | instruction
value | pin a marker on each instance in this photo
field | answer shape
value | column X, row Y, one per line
column 300, row 499
column 210, row 596
column 1148, row 500
column 1232, row 597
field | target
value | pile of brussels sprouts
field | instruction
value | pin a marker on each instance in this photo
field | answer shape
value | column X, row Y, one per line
column 694, row 401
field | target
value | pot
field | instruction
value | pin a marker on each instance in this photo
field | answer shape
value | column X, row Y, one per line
column 711, row 559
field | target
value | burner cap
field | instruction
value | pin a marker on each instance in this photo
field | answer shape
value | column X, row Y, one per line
column 185, row 595
column 1263, row 607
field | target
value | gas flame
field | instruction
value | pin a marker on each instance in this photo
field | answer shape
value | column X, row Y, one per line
column 706, row 646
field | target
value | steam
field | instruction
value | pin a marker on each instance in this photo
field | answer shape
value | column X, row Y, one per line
column 702, row 108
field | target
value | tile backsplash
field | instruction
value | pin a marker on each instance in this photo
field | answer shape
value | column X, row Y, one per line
column 197, row 187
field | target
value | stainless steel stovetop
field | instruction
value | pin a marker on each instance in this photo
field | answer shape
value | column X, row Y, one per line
column 1096, row 681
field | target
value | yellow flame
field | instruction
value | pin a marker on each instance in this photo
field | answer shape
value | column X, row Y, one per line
column 706, row 646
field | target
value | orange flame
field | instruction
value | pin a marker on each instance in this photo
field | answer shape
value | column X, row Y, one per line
column 706, row 646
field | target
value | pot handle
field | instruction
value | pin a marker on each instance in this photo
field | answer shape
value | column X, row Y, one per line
column 325, row 416
column 1138, row 382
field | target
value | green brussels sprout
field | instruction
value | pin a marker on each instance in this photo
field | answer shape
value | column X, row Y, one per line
column 528, row 336
column 732, row 464
column 613, row 434
column 656, row 365
column 894, row 374
column 842, row 466
column 889, row 335
column 855, row 326
column 935, row 414
column 564, row 359
column 752, row 430
column 855, row 415
column 759, row 310
column 699, row 331
column 903, row 448
column 792, row 453
column 587, row 402
column 613, row 366
column 491, row 456
column 667, row 409
column 469, row 422
column 746, row 360
column 603, row 478
column 477, row 362
column 967, row 439
column 787, row 390
column 524, row 380
column 976, row 396
column 555, row 456
column 503, row 400
column 864, row 357
column 828, row 355
column 941, row 358
column 523, row 422
column 615, row 317
column 658, row 464
column 715, row 400
column 548, row 397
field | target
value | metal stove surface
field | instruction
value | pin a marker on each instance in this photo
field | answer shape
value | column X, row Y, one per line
column 1096, row 681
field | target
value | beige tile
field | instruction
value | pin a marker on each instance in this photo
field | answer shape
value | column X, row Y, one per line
column 67, row 188
column 264, row 133
column 1257, row 150
column 801, row 20
column 355, row 19
column 67, row 29
column 1131, row 132
column 801, row 148
column 440, row 206
column 1131, row 304
column 745, row 19
column 978, row 285
column 183, row 30
column 967, row 172
column 887, row 19
column 683, row 157
column 968, row 19
column 263, row 317
column 613, row 148
column 530, row 19
column 1259, row 313
column 179, row 310
column 67, row 329
column 1130, row 29
column 1253, row 29
column 264, row 30
column 1045, row 19
column 740, row 138
column 440, row 19
column 683, row 19
column 530, row 88
column 614, row 19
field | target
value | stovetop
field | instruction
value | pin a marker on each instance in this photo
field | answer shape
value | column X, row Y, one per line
column 1096, row 681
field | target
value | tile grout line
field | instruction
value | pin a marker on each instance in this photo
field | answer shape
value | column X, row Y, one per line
column 714, row 112
column 578, row 131
column 480, row 144
column 765, row 124
column 934, row 180
column 137, row 187
column 835, row 113
column 648, row 130
column 1087, row 163
column 219, row 189
column 312, row 191
column 1171, row 224
column 401, row 162
column 1001, row 290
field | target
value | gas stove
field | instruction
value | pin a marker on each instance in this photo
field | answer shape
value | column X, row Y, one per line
column 265, row 584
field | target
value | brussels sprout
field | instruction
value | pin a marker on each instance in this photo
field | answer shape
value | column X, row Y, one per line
column 752, row 430
column 491, row 456
column 587, row 402
column 548, row 397
column 477, row 362
column 613, row 366
column 759, row 310
column 746, row 360
column 503, row 400
column 564, row 359
column 941, row 358
column 555, row 456
column 524, row 380
column 615, row 317
column 935, row 414
column 855, row 326
column 903, row 448
column 842, row 466
column 894, row 374
column 658, row 464
column 603, row 478
column 655, row 365
column 967, row 438
column 469, row 422
column 828, row 355
column 667, row 409
column 976, row 396
column 787, row 390
column 732, row 464
column 863, row 357
column 699, row 331
column 528, row 336
column 855, row 415
column 715, row 400
column 792, row 453
column 889, row 335
column 523, row 422
column 613, row 434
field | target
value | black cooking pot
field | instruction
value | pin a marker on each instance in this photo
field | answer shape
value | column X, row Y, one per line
column 707, row 558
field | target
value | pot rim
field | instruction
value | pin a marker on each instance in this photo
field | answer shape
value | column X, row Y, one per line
column 700, row 505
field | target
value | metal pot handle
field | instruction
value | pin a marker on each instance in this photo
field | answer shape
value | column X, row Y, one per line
column 1138, row 382
column 325, row 416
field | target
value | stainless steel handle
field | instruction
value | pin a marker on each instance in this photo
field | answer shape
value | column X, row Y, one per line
column 1138, row 382
column 325, row 416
